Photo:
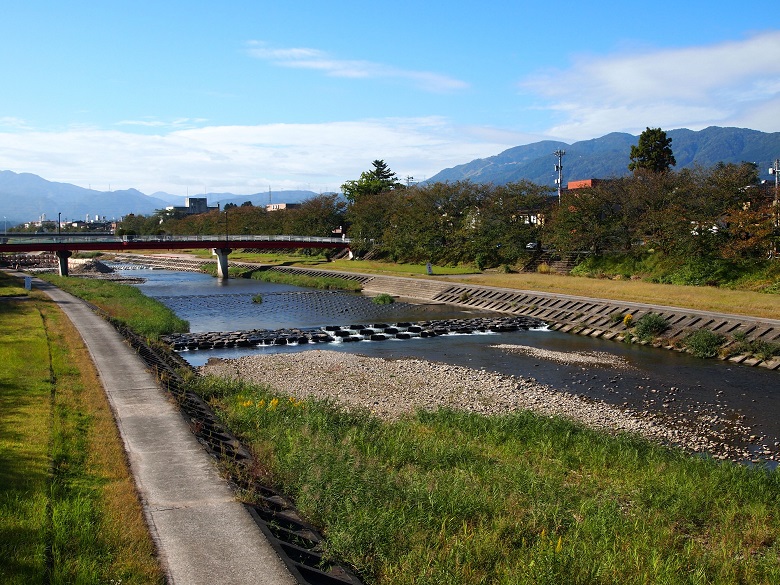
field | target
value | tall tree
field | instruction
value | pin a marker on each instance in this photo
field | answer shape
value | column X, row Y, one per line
column 653, row 153
column 380, row 178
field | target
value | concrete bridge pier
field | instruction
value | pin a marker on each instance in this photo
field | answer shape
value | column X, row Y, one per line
column 62, row 256
column 222, row 261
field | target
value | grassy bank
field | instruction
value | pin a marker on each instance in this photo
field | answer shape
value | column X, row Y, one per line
column 319, row 282
column 69, row 509
column 125, row 303
column 455, row 498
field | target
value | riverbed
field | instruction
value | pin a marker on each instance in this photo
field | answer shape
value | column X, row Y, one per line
column 724, row 403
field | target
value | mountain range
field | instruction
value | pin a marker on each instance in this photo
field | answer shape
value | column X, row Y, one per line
column 26, row 197
column 608, row 156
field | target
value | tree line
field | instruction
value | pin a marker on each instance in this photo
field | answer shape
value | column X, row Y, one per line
column 722, row 213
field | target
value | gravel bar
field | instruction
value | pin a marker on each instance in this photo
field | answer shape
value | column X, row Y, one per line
column 391, row 388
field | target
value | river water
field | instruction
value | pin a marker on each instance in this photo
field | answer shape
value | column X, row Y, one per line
column 676, row 384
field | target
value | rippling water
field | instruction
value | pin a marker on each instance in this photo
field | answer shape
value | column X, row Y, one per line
column 655, row 379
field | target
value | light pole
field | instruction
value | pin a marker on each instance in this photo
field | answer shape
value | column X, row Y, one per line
column 59, row 222
column 559, row 169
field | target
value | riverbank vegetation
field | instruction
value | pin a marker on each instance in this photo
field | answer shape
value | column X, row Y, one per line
column 319, row 282
column 125, row 304
column 463, row 498
column 68, row 503
column 696, row 226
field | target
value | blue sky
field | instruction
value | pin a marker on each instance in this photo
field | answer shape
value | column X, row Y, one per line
column 239, row 96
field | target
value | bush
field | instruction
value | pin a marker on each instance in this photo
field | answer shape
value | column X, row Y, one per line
column 383, row 299
column 703, row 343
column 763, row 350
column 650, row 325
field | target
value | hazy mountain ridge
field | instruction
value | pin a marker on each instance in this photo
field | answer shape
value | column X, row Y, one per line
column 25, row 197
column 608, row 156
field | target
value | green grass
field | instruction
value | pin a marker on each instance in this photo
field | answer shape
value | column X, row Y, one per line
column 320, row 282
column 125, row 303
column 458, row 498
column 68, row 505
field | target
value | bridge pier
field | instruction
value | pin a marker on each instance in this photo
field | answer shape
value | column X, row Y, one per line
column 62, row 257
column 222, row 261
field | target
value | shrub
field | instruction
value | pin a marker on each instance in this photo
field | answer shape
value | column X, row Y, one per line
column 650, row 325
column 544, row 268
column 628, row 320
column 383, row 299
column 258, row 298
column 703, row 343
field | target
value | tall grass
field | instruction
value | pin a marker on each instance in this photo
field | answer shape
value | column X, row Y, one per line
column 459, row 498
column 69, row 509
column 125, row 303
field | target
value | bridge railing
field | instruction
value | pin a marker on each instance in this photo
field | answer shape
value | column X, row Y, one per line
column 104, row 239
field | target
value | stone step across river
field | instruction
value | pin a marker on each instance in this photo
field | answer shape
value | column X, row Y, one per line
column 349, row 333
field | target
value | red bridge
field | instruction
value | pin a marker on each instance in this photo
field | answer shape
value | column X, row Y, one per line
column 65, row 244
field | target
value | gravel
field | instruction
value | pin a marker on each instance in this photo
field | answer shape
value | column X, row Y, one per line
column 391, row 388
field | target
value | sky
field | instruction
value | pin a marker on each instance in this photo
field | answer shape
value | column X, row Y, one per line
column 245, row 96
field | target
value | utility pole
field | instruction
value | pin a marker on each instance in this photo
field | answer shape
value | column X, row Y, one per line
column 775, row 170
column 559, row 169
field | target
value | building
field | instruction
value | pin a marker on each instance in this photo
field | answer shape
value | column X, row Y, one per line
column 193, row 206
column 281, row 206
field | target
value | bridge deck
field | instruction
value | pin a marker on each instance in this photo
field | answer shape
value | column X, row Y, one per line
column 71, row 242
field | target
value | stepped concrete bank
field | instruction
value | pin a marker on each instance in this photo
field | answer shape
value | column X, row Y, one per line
column 569, row 314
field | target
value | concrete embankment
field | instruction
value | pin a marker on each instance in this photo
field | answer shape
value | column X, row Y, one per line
column 570, row 314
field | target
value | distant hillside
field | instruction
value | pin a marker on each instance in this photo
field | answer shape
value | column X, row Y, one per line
column 608, row 156
column 26, row 197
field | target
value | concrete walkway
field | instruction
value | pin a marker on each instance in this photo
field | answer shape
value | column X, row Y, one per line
column 203, row 535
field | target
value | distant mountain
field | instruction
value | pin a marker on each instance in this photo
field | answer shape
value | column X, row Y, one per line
column 26, row 197
column 608, row 156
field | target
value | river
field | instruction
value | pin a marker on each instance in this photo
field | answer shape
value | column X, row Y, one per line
column 723, row 395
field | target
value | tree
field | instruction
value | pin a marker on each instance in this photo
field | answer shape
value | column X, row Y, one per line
column 372, row 182
column 653, row 153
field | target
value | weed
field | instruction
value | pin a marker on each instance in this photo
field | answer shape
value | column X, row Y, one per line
column 258, row 298
column 650, row 325
column 628, row 320
column 703, row 343
column 383, row 299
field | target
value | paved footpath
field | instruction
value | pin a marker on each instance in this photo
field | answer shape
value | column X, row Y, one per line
column 203, row 534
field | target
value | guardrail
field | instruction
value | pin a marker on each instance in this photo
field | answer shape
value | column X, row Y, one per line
column 91, row 239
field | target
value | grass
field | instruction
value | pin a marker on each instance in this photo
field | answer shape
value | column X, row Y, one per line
column 451, row 497
column 125, row 303
column 70, row 513
column 319, row 282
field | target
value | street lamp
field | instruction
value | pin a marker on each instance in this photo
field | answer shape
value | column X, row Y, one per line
column 59, row 222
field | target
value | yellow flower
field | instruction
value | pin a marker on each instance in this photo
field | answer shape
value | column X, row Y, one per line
column 273, row 404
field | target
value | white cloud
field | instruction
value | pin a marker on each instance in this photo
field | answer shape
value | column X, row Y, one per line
column 694, row 87
column 249, row 159
column 306, row 58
